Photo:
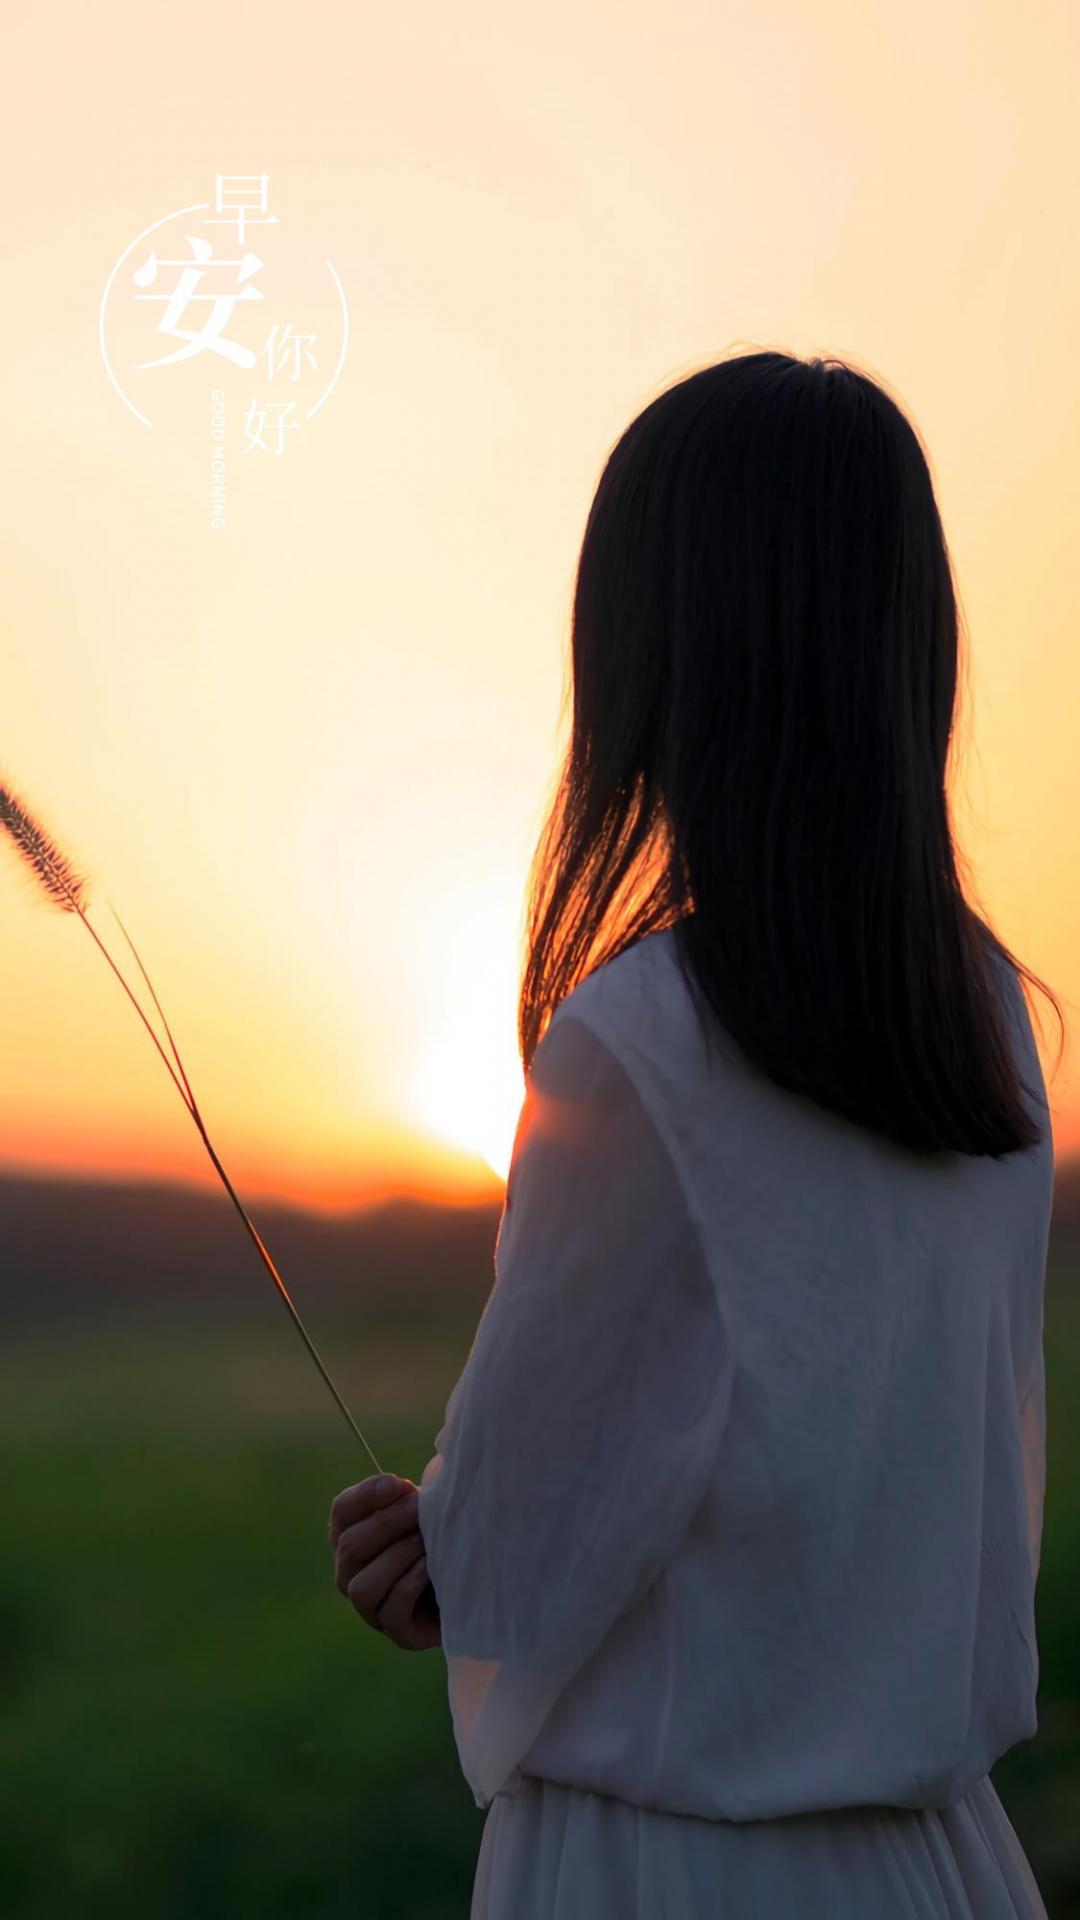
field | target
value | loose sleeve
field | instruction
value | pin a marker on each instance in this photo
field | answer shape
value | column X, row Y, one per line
column 582, row 1433
column 1033, row 1454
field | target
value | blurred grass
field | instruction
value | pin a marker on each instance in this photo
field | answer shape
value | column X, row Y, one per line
column 196, row 1722
column 1039, row 1781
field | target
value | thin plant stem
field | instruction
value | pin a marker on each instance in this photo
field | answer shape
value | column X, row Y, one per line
column 168, row 1064
column 156, row 1001
column 281, row 1287
column 193, row 1109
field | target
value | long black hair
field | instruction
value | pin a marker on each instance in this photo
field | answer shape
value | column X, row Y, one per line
column 765, row 665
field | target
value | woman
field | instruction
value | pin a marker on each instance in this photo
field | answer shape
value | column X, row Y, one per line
column 732, row 1529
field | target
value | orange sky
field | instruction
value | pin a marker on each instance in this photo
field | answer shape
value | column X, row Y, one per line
column 306, row 756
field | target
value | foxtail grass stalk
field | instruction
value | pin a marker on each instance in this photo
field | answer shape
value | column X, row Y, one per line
column 67, row 889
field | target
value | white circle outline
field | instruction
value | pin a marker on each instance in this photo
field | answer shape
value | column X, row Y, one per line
column 200, row 207
column 325, row 395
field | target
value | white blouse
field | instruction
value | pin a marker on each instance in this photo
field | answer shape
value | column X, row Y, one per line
column 736, row 1508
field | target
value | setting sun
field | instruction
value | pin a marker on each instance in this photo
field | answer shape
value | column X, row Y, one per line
column 467, row 1085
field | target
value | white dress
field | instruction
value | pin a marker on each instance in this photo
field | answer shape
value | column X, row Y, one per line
column 734, row 1519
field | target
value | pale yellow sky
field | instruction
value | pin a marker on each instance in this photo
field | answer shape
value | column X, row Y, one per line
column 307, row 756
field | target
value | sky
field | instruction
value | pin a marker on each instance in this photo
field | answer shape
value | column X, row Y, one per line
column 305, row 754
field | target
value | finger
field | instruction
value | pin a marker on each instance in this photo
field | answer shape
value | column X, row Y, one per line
column 367, row 1589
column 356, row 1550
column 357, row 1502
column 365, row 1538
column 351, row 1560
column 394, row 1614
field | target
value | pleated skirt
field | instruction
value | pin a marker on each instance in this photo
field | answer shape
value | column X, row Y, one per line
column 552, row 1852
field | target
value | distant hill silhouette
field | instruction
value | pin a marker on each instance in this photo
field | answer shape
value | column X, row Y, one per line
column 83, row 1251
column 1063, row 1264
column 79, row 1252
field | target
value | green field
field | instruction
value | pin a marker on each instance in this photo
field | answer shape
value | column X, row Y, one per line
column 197, row 1724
